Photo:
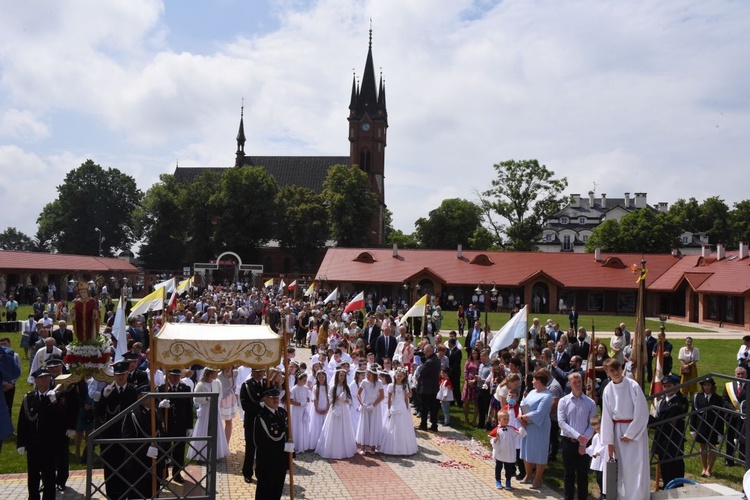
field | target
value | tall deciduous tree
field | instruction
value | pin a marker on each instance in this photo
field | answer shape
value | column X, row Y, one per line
column 739, row 221
column 454, row 222
column 352, row 205
column 526, row 195
column 198, row 202
column 302, row 225
column 641, row 231
column 15, row 240
column 161, row 221
column 246, row 209
column 91, row 198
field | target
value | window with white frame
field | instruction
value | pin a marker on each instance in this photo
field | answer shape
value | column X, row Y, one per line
column 567, row 242
column 564, row 220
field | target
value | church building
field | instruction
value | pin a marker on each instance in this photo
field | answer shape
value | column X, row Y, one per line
column 367, row 131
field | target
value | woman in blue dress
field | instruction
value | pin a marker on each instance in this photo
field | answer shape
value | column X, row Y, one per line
column 535, row 446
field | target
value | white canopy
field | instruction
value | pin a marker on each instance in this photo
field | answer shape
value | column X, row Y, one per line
column 178, row 345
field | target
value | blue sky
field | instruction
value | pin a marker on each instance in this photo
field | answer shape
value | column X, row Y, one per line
column 635, row 96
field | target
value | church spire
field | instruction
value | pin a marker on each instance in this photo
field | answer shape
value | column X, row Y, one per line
column 382, row 111
column 353, row 101
column 367, row 100
column 240, row 155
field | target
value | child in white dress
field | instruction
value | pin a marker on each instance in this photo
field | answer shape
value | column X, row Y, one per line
column 198, row 450
column 359, row 375
column 385, row 379
column 299, row 397
column 337, row 438
column 445, row 394
column 319, row 408
column 370, row 426
column 398, row 432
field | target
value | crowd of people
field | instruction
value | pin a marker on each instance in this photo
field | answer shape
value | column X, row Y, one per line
column 366, row 378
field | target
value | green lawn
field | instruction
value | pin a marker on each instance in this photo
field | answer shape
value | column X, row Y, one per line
column 604, row 323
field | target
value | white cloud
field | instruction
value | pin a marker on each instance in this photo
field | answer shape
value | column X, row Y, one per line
column 636, row 96
column 21, row 124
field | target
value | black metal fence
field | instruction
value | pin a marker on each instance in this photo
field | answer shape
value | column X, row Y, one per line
column 707, row 426
column 138, row 466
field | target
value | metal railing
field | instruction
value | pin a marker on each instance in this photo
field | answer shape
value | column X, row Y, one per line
column 721, row 429
column 126, row 464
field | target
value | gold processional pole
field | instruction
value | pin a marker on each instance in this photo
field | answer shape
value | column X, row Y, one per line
column 287, row 400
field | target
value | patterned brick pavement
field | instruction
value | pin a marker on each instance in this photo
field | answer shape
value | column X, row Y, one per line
column 371, row 477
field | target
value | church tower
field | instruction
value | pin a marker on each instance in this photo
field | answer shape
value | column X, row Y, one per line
column 368, row 124
column 240, row 154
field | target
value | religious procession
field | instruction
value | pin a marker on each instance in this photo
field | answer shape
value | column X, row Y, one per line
column 159, row 384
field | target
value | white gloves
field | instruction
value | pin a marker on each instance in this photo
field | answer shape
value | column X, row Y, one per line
column 153, row 452
column 52, row 396
column 190, row 433
column 370, row 407
column 21, row 450
column 289, row 447
column 108, row 390
column 70, row 432
column 164, row 403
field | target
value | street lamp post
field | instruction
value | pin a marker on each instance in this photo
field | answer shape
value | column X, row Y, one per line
column 480, row 291
column 100, row 240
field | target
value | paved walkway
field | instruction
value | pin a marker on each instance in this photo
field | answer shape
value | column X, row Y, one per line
column 448, row 465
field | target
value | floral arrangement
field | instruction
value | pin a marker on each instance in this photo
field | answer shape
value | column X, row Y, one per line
column 85, row 359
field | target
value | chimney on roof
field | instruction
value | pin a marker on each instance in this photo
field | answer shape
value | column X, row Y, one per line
column 591, row 199
column 743, row 250
column 597, row 254
column 705, row 251
column 575, row 200
column 676, row 252
column 663, row 207
column 604, row 200
column 395, row 249
column 720, row 251
column 640, row 200
column 459, row 251
column 627, row 200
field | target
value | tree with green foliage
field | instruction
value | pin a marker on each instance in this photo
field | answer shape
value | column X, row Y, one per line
column 401, row 239
column 91, row 198
column 605, row 236
column 302, row 225
column 200, row 216
column 14, row 240
column 686, row 214
column 245, row 208
column 739, row 222
column 352, row 205
column 715, row 221
column 454, row 222
column 161, row 221
column 641, row 231
column 526, row 195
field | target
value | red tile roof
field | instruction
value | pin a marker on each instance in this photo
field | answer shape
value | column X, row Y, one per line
column 61, row 262
column 730, row 276
column 571, row 270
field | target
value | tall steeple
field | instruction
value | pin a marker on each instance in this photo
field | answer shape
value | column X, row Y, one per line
column 367, row 100
column 368, row 126
column 240, row 155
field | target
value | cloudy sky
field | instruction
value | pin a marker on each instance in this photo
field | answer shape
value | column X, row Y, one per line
column 636, row 96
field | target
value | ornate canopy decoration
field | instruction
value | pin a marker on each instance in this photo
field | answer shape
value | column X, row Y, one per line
column 182, row 344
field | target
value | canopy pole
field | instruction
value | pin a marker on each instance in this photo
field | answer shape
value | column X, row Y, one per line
column 287, row 401
column 151, row 407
